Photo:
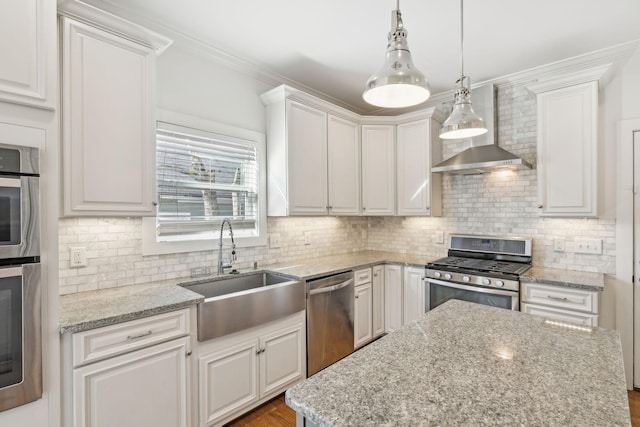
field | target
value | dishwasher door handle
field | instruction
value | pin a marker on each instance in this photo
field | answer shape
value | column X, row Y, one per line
column 332, row 288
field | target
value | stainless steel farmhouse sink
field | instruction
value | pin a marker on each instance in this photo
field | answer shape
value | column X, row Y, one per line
column 234, row 303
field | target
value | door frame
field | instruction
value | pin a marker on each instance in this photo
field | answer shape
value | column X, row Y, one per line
column 624, row 283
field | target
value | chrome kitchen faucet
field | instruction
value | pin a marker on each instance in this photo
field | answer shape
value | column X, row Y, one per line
column 221, row 265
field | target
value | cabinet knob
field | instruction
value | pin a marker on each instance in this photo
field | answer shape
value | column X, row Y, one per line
column 356, row 296
column 539, row 206
column 154, row 203
column 189, row 353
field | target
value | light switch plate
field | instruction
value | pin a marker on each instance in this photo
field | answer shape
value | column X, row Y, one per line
column 439, row 237
column 307, row 238
column 588, row 246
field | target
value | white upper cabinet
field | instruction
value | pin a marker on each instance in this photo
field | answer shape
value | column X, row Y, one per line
column 307, row 166
column 108, row 127
column 419, row 192
column 313, row 156
column 28, row 52
column 378, row 170
column 568, row 145
column 344, row 166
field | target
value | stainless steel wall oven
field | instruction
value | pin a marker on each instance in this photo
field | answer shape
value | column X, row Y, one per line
column 20, row 293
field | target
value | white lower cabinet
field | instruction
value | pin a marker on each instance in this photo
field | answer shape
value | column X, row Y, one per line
column 362, row 315
column 130, row 374
column 563, row 304
column 144, row 388
column 242, row 370
column 412, row 294
column 377, row 290
column 392, row 297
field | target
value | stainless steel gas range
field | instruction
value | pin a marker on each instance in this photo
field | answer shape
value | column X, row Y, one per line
column 481, row 269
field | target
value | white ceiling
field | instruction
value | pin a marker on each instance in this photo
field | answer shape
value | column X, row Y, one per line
column 333, row 46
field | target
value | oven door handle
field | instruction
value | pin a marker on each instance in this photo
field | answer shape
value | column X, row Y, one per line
column 470, row 288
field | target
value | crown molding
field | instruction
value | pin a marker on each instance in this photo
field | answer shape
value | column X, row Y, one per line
column 87, row 13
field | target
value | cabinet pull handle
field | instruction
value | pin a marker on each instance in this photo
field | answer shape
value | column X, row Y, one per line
column 565, row 299
column 135, row 337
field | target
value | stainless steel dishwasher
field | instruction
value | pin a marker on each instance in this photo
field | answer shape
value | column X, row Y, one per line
column 329, row 320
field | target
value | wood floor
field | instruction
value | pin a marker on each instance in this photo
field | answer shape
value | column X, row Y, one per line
column 276, row 413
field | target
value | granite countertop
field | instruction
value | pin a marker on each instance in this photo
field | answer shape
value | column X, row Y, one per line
column 322, row 266
column 471, row 364
column 566, row 278
column 94, row 309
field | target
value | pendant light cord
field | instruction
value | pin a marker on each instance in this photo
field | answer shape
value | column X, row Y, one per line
column 461, row 38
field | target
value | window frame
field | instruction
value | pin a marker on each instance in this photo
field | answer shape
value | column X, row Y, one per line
column 150, row 246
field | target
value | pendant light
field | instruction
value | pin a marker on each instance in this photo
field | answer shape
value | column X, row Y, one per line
column 463, row 121
column 398, row 83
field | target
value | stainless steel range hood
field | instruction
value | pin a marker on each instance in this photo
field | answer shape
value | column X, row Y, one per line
column 484, row 155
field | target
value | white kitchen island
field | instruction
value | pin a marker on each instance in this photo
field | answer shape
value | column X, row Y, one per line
column 467, row 364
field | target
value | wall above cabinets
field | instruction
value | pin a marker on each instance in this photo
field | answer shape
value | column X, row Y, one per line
column 325, row 160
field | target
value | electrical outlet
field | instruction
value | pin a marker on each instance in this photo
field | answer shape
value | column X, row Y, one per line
column 558, row 245
column 307, row 238
column 274, row 240
column 78, row 257
column 588, row 246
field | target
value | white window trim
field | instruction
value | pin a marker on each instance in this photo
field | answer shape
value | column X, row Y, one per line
column 150, row 246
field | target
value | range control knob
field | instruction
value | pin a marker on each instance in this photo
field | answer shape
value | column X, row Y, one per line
column 447, row 276
column 486, row 282
column 465, row 278
column 499, row 283
column 437, row 274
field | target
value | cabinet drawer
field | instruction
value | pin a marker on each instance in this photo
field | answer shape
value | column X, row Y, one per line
column 98, row 344
column 362, row 276
column 566, row 298
column 584, row 319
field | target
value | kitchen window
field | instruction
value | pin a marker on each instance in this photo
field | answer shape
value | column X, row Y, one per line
column 204, row 176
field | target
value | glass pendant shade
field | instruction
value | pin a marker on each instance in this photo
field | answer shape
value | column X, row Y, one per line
column 463, row 122
column 398, row 83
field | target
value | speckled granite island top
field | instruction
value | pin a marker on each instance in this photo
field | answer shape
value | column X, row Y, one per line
column 467, row 364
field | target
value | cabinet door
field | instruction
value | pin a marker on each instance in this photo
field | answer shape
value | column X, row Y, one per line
column 414, row 168
column 27, row 75
column 343, row 153
column 307, row 151
column 147, row 387
column 378, row 170
column 392, row 297
column 108, row 127
column 228, row 381
column 282, row 359
column 567, row 151
column 413, row 294
column 362, row 323
column 377, row 285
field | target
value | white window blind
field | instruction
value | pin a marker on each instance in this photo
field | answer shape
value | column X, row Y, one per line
column 203, row 178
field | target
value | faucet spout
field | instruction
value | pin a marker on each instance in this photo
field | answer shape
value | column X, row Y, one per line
column 222, row 265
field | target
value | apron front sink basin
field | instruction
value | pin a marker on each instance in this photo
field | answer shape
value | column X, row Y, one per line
column 235, row 303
